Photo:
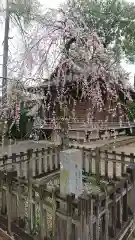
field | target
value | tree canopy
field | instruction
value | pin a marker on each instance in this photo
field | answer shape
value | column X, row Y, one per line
column 113, row 20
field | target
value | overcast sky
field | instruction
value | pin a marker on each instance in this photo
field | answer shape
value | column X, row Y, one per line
column 51, row 3
column 55, row 4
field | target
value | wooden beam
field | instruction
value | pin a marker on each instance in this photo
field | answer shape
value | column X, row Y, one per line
column 4, row 235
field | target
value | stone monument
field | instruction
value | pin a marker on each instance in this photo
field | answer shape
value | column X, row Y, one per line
column 71, row 172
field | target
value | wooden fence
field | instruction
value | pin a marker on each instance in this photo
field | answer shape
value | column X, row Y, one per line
column 43, row 212
column 42, row 162
column 38, row 207
column 103, row 163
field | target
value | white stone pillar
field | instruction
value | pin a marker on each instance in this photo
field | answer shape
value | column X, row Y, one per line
column 71, row 172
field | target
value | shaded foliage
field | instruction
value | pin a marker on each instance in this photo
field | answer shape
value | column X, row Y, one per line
column 131, row 111
column 114, row 21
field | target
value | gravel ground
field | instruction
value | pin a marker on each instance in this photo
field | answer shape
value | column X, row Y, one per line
column 127, row 149
column 22, row 146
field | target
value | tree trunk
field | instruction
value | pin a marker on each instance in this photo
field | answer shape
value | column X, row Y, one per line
column 5, row 56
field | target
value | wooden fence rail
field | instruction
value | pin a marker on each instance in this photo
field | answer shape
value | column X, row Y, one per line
column 99, row 162
column 43, row 161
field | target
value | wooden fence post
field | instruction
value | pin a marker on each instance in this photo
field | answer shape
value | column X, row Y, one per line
column 84, row 209
column 54, row 208
column 56, row 157
column 9, row 200
column 36, row 162
column 114, row 213
column 125, row 204
column 3, row 194
column 13, row 161
column 30, row 207
column 131, row 170
column 120, row 209
column 20, row 204
column 34, row 209
column 21, row 167
column 114, row 165
column 53, row 159
column 43, row 159
column 97, row 162
column 42, row 230
column 5, row 161
column 43, row 214
column 132, row 158
column 48, row 159
column 91, row 202
column 106, row 164
column 69, row 216
column 122, row 163
column 97, row 217
column 83, row 159
column 105, row 223
column 90, row 161
column 10, row 176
